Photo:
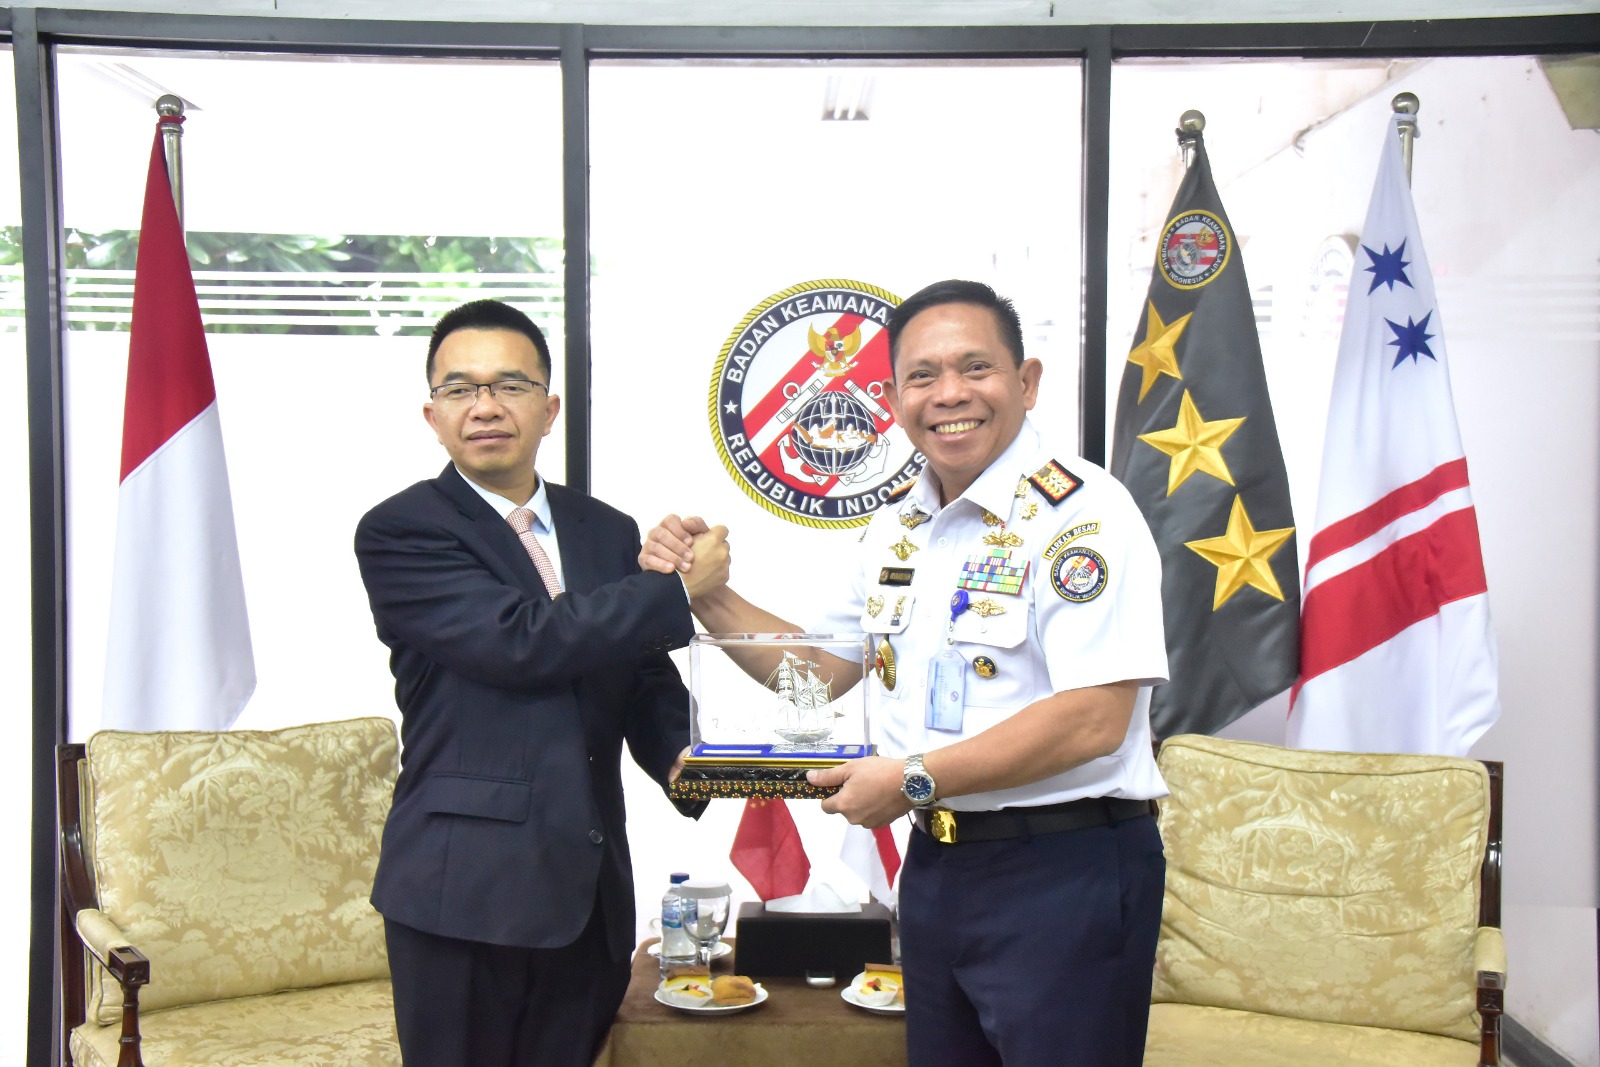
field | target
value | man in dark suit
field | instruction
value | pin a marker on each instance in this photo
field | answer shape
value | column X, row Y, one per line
column 526, row 647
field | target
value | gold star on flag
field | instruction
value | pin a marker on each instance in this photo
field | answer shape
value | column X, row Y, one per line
column 1194, row 444
column 1157, row 353
column 1241, row 556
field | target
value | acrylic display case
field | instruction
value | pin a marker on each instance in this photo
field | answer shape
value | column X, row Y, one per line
column 766, row 708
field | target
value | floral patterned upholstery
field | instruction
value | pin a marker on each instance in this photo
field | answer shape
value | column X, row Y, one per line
column 349, row 1025
column 240, row 864
column 1312, row 893
column 1197, row 1036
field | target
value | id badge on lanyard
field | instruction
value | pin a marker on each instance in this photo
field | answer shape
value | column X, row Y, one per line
column 947, row 677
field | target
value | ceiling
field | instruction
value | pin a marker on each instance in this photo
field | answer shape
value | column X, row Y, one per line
column 853, row 12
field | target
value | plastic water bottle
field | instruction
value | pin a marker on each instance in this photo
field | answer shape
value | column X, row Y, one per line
column 677, row 947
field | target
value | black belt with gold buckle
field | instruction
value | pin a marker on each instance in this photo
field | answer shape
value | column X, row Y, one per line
column 965, row 827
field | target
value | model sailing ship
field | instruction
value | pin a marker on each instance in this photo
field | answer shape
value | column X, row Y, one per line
column 804, row 718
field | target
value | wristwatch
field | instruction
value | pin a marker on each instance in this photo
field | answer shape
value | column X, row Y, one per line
column 917, row 784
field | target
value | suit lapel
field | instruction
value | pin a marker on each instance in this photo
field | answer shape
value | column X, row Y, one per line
column 504, row 546
column 578, row 557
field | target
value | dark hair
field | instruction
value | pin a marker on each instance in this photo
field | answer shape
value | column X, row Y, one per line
column 488, row 315
column 955, row 291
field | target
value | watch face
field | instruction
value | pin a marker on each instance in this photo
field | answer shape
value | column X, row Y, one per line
column 918, row 788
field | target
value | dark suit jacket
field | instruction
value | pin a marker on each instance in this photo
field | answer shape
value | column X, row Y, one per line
column 508, row 812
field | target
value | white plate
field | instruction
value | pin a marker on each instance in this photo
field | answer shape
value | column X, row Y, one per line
column 712, row 1009
column 722, row 949
column 851, row 997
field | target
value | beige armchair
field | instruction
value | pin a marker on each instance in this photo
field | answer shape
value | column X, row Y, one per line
column 1327, row 908
column 218, row 883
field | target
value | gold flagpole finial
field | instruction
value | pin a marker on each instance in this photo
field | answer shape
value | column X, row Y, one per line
column 1190, row 125
column 171, row 107
column 1406, row 105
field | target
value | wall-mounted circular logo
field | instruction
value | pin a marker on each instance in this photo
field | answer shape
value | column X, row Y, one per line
column 1194, row 248
column 1079, row 574
column 797, row 405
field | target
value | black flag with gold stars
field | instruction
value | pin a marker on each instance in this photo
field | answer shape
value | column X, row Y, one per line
column 1196, row 445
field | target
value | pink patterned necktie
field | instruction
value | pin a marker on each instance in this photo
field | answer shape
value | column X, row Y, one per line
column 521, row 520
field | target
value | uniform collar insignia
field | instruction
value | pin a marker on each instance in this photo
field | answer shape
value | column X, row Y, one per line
column 1055, row 482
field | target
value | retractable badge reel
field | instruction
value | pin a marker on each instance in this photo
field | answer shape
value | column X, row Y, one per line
column 947, row 676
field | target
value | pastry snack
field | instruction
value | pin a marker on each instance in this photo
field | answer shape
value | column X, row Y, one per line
column 732, row 989
column 880, row 985
column 689, row 987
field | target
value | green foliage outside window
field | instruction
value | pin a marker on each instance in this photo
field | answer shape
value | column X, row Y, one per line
column 424, row 261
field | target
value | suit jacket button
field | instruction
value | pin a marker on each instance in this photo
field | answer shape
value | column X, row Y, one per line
column 596, row 836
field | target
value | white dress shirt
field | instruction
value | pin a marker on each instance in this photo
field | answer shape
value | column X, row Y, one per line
column 1102, row 623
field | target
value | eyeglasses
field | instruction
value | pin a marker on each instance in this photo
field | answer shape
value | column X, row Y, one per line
column 511, row 389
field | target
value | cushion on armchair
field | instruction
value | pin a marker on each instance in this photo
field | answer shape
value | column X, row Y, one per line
column 1190, row 1035
column 1329, row 887
column 347, row 1024
column 240, row 862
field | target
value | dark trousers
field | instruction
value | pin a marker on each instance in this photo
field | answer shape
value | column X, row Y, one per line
column 469, row 1004
column 1031, row 952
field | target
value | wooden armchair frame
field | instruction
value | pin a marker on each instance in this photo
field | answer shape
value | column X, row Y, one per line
column 126, row 964
column 1491, row 984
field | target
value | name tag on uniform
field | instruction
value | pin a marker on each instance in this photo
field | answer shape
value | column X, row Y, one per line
column 896, row 575
column 947, row 683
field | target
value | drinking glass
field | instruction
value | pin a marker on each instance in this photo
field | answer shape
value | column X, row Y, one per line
column 709, row 920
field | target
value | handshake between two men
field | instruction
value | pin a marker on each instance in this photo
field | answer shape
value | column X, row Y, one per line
column 692, row 548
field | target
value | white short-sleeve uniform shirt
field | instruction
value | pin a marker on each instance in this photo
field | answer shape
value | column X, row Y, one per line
column 1063, row 585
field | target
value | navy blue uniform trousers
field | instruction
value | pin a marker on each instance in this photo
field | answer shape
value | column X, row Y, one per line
column 1032, row 951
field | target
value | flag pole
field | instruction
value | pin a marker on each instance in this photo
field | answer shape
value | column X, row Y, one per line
column 1190, row 125
column 170, row 108
column 1407, row 105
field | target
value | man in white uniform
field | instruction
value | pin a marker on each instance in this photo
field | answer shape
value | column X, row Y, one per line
column 1015, row 600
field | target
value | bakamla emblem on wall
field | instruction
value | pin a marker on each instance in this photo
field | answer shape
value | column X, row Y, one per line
column 797, row 405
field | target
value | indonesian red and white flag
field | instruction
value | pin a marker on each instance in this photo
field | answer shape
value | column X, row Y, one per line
column 1397, row 653
column 179, row 655
column 874, row 857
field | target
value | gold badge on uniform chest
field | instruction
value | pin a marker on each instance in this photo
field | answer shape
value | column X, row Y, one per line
column 884, row 666
column 902, row 549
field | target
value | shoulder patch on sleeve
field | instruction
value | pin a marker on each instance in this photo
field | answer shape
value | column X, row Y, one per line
column 1055, row 482
column 1066, row 537
column 1080, row 575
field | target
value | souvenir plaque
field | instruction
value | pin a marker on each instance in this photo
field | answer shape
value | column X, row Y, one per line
column 766, row 708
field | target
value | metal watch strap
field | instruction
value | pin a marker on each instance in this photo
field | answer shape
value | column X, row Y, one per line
column 914, row 766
